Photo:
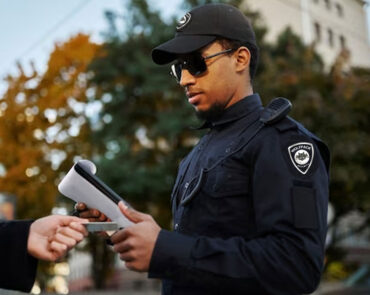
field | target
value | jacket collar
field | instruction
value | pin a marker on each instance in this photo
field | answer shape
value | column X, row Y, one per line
column 236, row 111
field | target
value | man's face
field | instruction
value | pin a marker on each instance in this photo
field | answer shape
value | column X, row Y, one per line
column 215, row 89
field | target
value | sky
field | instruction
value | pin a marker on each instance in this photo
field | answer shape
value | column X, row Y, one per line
column 30, row 28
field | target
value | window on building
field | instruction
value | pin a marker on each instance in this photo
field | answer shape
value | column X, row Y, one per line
column 328, row 4
column 317, row 32
column 339, row 9
column 342, row 40
column 331, row 38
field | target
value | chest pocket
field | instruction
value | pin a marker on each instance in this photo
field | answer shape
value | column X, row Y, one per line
column 219, row 205
column 228, row 179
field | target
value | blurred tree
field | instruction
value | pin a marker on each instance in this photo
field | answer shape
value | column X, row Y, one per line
column 42, row 126
column 145, row 116
column 140, row 120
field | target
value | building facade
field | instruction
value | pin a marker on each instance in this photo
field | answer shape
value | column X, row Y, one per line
column 332, row 25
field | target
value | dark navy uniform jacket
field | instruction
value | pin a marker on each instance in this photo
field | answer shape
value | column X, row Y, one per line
column 18, row 268
column 248, row 218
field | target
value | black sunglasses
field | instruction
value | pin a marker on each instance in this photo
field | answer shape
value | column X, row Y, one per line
column 194, row 63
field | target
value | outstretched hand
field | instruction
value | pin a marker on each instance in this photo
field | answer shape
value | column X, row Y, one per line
column 135, row 244
column 51, row 237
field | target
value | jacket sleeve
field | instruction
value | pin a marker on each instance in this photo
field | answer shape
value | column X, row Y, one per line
column 18, row 268
column 286, row 254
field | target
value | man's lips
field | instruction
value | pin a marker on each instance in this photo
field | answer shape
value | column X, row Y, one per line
column 193, row 97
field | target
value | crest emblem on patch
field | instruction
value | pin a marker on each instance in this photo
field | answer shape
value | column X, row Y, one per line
column 183, row 21
column 301, row 154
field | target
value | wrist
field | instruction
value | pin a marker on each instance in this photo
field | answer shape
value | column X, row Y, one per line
column 30, row 243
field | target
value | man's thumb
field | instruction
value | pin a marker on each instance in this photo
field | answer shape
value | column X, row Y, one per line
column 131, row 214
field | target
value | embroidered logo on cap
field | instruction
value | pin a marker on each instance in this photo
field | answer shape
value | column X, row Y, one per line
column 183, row 21
column 301, row 154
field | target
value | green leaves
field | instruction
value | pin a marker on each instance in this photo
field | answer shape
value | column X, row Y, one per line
column 150, row 115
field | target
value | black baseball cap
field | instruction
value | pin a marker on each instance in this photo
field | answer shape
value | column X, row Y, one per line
column 203, row 25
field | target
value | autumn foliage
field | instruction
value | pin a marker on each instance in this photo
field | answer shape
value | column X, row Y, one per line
column 43, row 126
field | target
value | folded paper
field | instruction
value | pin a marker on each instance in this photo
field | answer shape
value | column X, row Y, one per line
column 83, row 186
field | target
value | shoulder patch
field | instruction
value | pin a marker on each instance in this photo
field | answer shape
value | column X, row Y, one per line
column 301, row 154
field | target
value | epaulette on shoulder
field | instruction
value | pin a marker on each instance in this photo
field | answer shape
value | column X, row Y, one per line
column 304, row 130
column 286, row 124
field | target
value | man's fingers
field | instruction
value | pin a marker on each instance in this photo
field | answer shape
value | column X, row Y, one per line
column 102, row 217
column 131, row 265
column 132, row 214
column 122, row 248
column 80, row 206
column 59, row 248
column 65, row 220
column 72, row 233
column 119, row 236
column 68, row 241
column 79, row 227
column 93, row 215
column 90, row 213
column 126, row 256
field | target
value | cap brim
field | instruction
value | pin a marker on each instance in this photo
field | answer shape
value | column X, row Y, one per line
column 168, row 51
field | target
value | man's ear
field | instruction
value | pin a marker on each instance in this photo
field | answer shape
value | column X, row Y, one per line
column 243, row 57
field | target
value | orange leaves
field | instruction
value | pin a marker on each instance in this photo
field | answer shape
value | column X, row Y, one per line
column 66, row 74
column 71, row 57
column 36, row 119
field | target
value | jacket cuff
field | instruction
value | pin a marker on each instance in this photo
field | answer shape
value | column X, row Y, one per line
column 171, row 254
column 29, row 262
column 19, row 271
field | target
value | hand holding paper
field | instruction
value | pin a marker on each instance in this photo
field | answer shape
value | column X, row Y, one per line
column 81, row 185
column 135, row 244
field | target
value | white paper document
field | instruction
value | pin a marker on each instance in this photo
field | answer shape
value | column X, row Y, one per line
column 81, row 185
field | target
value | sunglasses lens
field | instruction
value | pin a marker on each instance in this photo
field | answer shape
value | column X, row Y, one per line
column 194, row 64
column 176, row 70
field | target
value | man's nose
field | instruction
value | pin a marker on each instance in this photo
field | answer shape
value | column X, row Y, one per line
column 186, row 78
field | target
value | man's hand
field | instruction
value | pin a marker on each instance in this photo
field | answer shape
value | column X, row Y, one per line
column 135, row 244
column 91, row 214
column 51, row 237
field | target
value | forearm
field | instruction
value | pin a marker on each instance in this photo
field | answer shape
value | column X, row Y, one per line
column 242, row 265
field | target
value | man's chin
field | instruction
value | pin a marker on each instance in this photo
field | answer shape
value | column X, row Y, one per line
column 213, row 113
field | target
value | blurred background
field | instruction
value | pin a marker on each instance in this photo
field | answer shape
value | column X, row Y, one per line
column 77, row 81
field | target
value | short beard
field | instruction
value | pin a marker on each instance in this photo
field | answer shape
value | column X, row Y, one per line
column 214, row 112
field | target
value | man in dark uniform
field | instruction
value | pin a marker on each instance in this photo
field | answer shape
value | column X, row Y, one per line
column 250, row 200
